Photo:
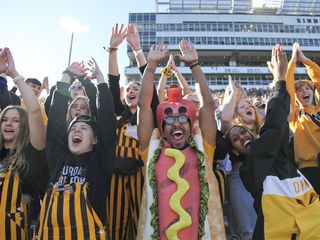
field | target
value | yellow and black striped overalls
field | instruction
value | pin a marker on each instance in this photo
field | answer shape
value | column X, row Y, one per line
column 14, row 215
column 123, row 202
column 67, row 214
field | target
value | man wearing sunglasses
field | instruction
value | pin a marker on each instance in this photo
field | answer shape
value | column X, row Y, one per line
column 181, row 199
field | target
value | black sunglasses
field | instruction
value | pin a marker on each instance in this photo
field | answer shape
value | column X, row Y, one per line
column 170, row 120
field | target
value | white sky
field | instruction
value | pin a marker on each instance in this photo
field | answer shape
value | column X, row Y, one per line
column 40, row 45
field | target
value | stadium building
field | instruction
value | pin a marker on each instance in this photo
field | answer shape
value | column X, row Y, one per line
column 233, row 37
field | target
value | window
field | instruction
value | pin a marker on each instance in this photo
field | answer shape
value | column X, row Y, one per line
column 208, row 27
column 309, row 20
column 315, row 20
column 298, row 20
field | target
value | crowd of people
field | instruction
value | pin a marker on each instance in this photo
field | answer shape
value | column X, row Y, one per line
column 95, row 160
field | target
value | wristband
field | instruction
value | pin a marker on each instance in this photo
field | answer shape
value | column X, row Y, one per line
column 17, row 78
column 167, row 72
column 137, row 52
column 193, row 65
column 111, row 49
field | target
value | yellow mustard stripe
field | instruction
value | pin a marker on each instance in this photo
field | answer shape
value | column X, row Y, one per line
column 182, row 188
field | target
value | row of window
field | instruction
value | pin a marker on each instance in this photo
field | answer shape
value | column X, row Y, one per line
column 227, row 27
column 223, row 80
column 240, row 41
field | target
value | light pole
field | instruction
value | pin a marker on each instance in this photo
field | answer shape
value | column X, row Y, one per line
column 70, row 51
column 72, row 26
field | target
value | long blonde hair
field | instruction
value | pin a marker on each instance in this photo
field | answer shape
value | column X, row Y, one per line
column 21, row 140
column 85, row 99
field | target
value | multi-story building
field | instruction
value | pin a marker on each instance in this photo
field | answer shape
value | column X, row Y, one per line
column 232, row 37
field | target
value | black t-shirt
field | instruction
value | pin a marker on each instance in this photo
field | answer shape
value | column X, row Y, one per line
column 35, row 173
column 73, row 170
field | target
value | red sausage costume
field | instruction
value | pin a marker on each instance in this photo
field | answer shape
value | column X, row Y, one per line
column 181, row 196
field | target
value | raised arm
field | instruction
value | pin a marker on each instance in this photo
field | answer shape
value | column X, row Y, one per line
column 312, row 68
column 161, row 88
column 182, row 81
column 290, row 76
column 36, row 126
column 133, row 40
column 207, row 120
column 228, row 106
column 117, row 37
column 272, row 134
column 145, row 116
column 106, row 122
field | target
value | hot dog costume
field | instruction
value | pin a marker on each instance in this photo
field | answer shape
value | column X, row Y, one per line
column 181, row 197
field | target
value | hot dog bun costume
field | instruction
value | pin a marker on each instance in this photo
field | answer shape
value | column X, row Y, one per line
column 181, row 197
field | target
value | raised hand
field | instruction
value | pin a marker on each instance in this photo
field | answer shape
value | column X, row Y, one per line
column 300, row 56
column 279, row 63
column 11, row 69
column 78, row 69
column 157, row 54
column 3, row 60
column 117, row 36
column 94, row 69
column 188, row 52
column 133, row 38
column 45, row 83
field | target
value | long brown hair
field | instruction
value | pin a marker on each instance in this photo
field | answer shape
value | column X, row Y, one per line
column 21, row 140
column 258, row 118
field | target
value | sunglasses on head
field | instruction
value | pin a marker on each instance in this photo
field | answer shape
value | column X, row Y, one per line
column 170, row 120
column 76, row 87
column 82, row 106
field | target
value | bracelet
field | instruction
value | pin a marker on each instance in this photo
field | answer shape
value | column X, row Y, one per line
column 110, row 49
column 193, row 65
column 150, row 69
column 17, row 78
column 167, row 72
column 193, row 62
column 137, row 52
column 70, row 74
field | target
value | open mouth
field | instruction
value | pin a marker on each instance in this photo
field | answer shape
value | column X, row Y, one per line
column 247, row 143
column 249, row 112
column 76, row 139
column 131, row 97
column 8, row 131
column 306, row 97
column 177, row 135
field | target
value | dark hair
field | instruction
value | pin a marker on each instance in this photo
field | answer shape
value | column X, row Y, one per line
column 34, row 81
column 85, row 119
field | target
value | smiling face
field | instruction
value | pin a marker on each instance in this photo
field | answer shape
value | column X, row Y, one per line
column 240, row 139
column 304, row 95
column 246, row 112
column 79, row 107
column 177, row 130
column 81, row 138
column 131, row 94
column 35, row 88
column 10, row 126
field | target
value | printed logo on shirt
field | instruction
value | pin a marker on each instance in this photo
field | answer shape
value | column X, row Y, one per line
column 289, row 187
column 70, row 175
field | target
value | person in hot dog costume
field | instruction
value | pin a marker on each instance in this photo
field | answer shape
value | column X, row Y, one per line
column 181, row 196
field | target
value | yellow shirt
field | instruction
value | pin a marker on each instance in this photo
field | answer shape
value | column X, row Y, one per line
column 43, row 112
column 306, row 132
